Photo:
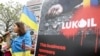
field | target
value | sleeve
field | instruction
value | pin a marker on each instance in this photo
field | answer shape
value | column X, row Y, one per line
column 28, row 40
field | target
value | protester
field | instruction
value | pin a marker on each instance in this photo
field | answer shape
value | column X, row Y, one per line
column 21, row 44
column 5, row 49
column 1, row 40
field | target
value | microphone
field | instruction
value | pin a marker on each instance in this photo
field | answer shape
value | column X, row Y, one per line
column 6, row 33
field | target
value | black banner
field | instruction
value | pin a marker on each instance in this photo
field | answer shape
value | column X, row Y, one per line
column 69, row 28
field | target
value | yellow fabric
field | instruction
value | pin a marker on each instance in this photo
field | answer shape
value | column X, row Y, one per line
column 86, row 3
column 10, row 50
column 29, row 22
column 26, row 53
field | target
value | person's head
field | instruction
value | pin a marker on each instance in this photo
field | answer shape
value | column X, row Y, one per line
column 19, row 28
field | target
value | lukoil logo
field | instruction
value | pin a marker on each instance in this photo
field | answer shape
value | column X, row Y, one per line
column 79, row 24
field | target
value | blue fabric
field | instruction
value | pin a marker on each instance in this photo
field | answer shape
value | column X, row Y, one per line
column 31, row 15
column 16, row 43
column 94, row 2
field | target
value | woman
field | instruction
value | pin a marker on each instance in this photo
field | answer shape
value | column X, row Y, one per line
column 21, row 44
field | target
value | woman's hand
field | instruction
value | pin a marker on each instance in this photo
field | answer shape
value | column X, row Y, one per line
column 25, row 47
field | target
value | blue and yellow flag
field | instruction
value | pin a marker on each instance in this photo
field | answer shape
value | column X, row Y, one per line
column 88, row 3
column 29, row 18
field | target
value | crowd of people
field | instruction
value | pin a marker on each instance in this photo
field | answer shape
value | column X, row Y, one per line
column 19, row 45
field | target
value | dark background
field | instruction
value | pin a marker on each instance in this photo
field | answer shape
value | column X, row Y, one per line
column 73, row 47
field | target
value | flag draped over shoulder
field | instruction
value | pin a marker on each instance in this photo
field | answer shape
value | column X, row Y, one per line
column 29, row 18
column 26, row 53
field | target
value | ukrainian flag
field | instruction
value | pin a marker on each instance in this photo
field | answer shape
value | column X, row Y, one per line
column 88, row 3
column 26, row 53
column 16, row 45
column 29, row 18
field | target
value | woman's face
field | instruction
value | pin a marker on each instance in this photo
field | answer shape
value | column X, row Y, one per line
column 15, row 28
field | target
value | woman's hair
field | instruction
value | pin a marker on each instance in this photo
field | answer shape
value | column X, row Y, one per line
column 1, row 39
column 21, row 28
